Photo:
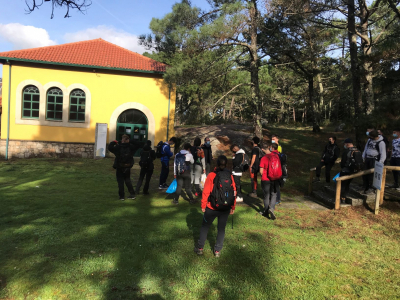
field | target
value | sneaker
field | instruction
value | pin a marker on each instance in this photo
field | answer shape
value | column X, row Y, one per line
column 272, row 215
column 217, row 253
column 198, row 251
column 278, row 203
column 253, row 195
column 394, row 186
column 239, row 199
column 317, row 180
column 343, row 201
column 122, row 199
column 263, row 214
column 132, row 197
column 160, row 187
column 175, row 201
column 165, row 186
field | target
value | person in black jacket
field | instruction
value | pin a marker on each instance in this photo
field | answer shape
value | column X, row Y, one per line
column 146, row 163
column 328, row 159
column 207, row 154
column 347, row 169
column 123, row 163
column 237, row 172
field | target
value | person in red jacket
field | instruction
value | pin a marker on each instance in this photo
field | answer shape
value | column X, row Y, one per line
column 210, row 212
column 270, row 186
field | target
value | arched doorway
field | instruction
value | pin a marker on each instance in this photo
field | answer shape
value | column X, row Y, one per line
column 134, row 123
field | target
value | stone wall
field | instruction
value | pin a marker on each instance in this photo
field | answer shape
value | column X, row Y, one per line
column 29, row 149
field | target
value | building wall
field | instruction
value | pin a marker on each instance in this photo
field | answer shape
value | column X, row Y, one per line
column 108, row 94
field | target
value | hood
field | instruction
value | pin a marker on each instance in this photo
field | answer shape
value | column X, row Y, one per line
column 146, row 148
column 240, row 151
column 184, row 152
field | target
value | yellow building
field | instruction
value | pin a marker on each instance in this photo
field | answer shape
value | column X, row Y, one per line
column 58, row 93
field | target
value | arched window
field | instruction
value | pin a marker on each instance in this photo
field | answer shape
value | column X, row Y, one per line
column 133, row 116
column 31, row 102
column 54, row 109
column 77, row 106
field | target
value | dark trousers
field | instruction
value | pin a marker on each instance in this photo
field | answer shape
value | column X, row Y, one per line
column 367, row 179
column 270, row 190
column 208, row 168
column 328, row 168
column 208, row 219
column 164, row 172
column 144, row 173
column 184, row 181
column 395, row 161
column 124, row 177
column 238, row 186
column 345, row 185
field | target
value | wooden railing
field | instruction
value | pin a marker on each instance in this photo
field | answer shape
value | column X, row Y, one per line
column 379, row 193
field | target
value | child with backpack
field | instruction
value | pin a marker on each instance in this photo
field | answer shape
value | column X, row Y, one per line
column 199, row 165
column 240, row 162
column 352, row 162
column 256, row 155
column 146, row 163
column 123, row 163
column 218, row 201
column 271, row 173
column 182, row 173
column 164, row 153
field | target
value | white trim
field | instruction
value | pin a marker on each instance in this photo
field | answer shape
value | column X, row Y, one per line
column 132, row 105
column 42, row 105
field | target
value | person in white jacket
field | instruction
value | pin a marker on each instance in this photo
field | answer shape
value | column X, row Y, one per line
column 237, row 172
column 182, row 173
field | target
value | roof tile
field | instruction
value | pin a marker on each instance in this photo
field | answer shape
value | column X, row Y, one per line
column 96, row 53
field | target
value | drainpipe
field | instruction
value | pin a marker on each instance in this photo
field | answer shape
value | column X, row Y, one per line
column 8, row 107
column 169, row 103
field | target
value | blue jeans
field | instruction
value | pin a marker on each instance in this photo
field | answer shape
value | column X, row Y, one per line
column 164, row 172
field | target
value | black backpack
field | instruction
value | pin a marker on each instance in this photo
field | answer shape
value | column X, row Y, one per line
column 159, row 149
column 244, row 166
column 283, row 159
column 125, row 157
column 222, row 196
column 355, row 160
column 145, row 159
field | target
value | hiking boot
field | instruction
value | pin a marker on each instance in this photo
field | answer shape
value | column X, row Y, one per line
column 239, row 199
column 175, row 201
column 198, row 251
column 217, row 253
column 253, row 195
column 132, row 197
column 317, row 180
column 264, row 214
column 271, row 214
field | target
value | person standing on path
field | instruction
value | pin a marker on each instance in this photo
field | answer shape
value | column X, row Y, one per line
column 166, row 154
column 256, row 154
column 275, row 140
column 271, row 173
column 208, row 156
column 219, row 183
column 237, row 172
column 395, row 160
column 182, row 173
column 123, row 163
column 328, row 159
column 199, row 165
column 146, row 163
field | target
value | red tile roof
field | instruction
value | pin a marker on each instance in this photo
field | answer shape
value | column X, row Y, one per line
column 92, row 53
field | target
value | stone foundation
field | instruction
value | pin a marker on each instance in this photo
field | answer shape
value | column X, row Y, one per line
column 30, row 149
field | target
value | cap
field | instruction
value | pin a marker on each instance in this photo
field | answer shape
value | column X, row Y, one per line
column 348, row 141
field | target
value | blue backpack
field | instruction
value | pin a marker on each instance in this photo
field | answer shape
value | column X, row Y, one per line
column 180, row 163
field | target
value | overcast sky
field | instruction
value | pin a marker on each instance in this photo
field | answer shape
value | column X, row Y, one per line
column 117, row 21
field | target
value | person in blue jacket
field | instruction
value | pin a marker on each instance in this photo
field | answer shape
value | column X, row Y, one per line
column 166, row 154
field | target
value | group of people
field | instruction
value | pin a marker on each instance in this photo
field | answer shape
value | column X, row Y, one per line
column 222, row 187
column 353, row 161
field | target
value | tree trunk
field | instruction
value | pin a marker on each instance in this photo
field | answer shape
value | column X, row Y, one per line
column 366, row 63
column 224, row 110
column 230, row 110
column 357, row 99
column 294, row 115
column 314, row 105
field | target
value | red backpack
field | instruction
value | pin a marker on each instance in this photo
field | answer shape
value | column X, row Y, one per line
column 274, row 167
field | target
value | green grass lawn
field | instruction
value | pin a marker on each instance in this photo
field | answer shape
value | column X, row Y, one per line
column 64, row 235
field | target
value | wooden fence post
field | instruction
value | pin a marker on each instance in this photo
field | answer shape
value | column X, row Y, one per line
column 383, row 186
column 337, row 197
column 377, row 199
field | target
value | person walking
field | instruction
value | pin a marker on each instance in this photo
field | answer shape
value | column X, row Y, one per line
column 199, row 165
column 256, row 154
column 275, row 140
column 351, row 163
column 166, row 154
column 271, row 173
column 218, row 201
column 146, row 163
column 123, row 163
column 208, row 156
column 182, row 173
column 395, row 160
column 328, row 159
column 237, row 172
column 375, row 150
